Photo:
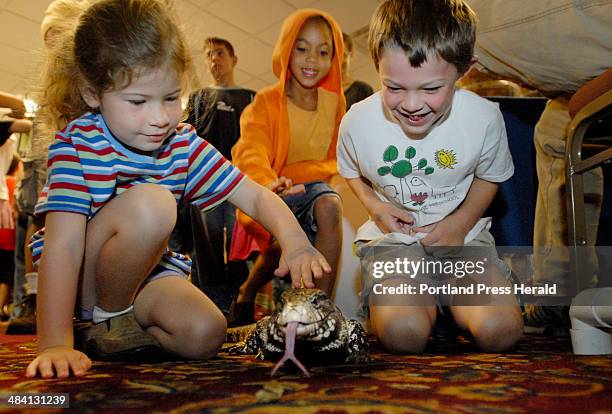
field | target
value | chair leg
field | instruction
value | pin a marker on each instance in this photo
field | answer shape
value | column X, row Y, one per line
column 576, row 220
column 592, row 104
column 577, row 229
column 576, row 211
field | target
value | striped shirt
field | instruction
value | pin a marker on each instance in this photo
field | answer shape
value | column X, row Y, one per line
column 88, row 167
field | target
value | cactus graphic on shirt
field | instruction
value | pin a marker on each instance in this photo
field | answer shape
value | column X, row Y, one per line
column 403, row 168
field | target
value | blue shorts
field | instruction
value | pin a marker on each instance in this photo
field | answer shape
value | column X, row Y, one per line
column 302, row 206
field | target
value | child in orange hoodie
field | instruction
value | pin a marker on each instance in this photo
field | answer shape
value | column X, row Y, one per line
column 288, row 144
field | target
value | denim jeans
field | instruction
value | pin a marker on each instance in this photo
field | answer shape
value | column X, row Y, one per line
column 19, row 274
column 26, row 195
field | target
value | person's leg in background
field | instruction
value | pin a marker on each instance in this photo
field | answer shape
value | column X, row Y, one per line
column 243, row 310
column 181, row 239
column 25, row 282
column 19, row 273
column 328, row 217
column 23, row 318
column 7, row 268
column 236, row 270
column 550, row 238
column 208, row 270
column 200, row 236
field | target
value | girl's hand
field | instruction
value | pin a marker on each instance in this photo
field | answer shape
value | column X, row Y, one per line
column 59, row 361
column 446, row 232
column 391, row 219
column 303, row 264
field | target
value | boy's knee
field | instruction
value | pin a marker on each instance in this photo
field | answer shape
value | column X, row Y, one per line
column 498, row 332
column 405, row 336
column 328, row 209
column 202, row 339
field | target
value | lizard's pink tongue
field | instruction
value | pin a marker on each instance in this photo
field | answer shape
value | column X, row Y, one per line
column 290, row 334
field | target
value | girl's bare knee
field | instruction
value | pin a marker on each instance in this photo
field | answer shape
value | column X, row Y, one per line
column 155, row 206
column 202, row 338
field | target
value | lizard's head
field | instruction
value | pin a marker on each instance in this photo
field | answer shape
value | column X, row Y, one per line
column 311, row 309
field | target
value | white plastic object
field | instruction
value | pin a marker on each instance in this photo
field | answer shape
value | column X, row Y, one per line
column 591, row 315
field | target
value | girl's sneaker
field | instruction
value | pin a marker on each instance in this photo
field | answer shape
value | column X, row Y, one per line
column 118, row 339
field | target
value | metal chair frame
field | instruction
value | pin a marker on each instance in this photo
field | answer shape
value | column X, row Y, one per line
column 595, row 111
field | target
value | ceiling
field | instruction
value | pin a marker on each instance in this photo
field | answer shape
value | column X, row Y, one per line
column 252, row 26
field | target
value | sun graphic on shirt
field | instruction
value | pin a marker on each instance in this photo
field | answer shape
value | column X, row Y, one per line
column 445, row 158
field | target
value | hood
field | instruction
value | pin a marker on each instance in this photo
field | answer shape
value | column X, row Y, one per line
column 282, row 50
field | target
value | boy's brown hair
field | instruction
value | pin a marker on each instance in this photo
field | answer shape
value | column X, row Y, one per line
column 419, row 27
column 211, row 42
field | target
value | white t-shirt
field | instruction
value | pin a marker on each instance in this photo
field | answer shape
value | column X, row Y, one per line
column 429, row 177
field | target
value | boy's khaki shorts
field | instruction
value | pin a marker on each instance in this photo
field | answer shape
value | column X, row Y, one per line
column 443, row 266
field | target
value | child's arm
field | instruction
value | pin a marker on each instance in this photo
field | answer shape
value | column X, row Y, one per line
column 298, row 257
column 14, row 103
column 58, row 279
column 6, row 212
column 388, row 217
column 451, row 230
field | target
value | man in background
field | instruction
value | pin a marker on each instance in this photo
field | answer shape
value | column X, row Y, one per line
column 215, row 113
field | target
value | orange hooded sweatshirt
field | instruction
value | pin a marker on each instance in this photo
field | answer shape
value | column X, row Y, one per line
column 261, row 152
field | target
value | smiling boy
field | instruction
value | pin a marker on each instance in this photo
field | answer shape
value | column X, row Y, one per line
column 425, row 159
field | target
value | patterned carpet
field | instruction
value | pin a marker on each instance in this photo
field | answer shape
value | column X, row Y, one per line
column 540, row 376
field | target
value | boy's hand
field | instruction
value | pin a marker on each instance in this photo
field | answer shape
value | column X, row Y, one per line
column 303, row 264
column 59, row 361
column 446, row 232
column 391, row 219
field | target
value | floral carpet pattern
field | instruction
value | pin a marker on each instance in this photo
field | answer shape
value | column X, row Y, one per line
column 541, row 375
